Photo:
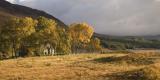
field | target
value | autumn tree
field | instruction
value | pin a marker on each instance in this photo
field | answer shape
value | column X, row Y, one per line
column 81, row 34
column 15, row 30
column 25, row 34
column 94, row 45
column 64, row 41
column 45, row 33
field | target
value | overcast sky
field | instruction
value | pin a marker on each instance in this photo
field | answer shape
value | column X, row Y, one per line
column 114, row 17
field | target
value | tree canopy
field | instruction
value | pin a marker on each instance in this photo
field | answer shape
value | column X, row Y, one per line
column 22, row 36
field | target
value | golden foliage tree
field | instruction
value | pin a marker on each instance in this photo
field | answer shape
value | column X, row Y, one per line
column 45, row 33
column 94, row 45
column 81, row 33
column 15, row 31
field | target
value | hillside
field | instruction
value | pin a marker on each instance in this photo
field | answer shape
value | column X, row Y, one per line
column 8, row 10
column 129, row 42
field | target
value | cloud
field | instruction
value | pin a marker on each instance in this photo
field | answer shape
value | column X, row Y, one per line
column 115, row 17
column 12, row 1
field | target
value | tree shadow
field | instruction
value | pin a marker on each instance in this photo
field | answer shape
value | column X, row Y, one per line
column 128, row 59
column 106, row 59
column 127, row 75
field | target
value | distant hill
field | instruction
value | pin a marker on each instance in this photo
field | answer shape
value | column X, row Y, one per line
column 129, row 42
column 149, row 37
column 8, row 10
column 156, row 37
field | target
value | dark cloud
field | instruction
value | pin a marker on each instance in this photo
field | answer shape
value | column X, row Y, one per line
column 115, row 17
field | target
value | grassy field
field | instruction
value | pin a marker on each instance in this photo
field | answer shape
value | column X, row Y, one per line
column 131, row 66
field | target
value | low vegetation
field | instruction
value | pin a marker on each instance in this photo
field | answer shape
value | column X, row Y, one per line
column 111, row 66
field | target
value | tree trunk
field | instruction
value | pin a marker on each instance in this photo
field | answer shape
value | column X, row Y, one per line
column 13, row 49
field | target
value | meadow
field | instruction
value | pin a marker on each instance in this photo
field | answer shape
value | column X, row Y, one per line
column 109, row 66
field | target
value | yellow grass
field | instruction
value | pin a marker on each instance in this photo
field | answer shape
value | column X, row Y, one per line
column 75, row 67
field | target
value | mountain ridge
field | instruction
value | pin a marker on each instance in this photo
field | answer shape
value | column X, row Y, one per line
column 150, row 37
column 8, row 9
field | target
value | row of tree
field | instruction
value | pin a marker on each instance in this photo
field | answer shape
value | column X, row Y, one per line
column 27, row 36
